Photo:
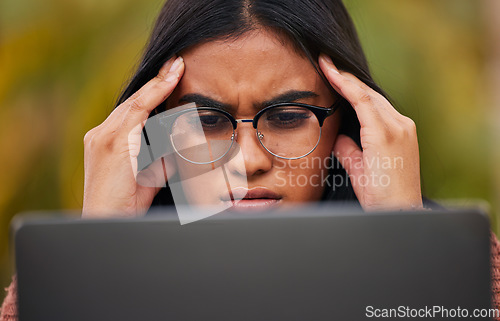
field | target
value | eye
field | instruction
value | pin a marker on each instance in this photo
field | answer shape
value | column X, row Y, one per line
column 287, row 118
column 207, row 119
column 211, row 120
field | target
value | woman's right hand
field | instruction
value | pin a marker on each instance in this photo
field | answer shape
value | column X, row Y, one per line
column 111, row 150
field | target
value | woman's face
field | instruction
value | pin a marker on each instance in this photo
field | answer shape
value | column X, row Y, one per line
column 243, row 75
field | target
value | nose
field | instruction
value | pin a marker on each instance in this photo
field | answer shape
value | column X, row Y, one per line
column 256, row 160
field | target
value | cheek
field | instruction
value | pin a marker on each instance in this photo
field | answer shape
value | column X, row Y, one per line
column 305, row 179
column 207, row 184
column 304, row 184
column 194, row 179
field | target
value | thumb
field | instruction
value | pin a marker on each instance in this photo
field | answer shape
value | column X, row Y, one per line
column 350, row 157
column 156, row 175
column 151, row 179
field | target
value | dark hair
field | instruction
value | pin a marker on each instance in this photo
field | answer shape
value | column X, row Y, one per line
column 312, row 26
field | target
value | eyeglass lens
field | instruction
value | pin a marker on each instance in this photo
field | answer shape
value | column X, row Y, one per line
column 205, row 136
column 289, row 131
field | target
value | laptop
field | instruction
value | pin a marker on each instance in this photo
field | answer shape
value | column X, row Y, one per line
column 310, row 263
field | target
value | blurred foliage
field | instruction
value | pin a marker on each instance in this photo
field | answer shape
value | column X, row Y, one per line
column 429, row 56
column 63, row 64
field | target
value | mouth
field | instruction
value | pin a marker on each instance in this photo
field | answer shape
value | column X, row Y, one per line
column 258, row 198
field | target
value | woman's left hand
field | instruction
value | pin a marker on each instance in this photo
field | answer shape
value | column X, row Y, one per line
column 385, row 173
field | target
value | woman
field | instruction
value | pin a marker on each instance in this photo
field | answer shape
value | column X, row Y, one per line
column 254, row 65
column 240, row 54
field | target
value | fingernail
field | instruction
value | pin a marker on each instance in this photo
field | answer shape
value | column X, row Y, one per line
column 177, row 63
column 329, row 63
column 172, row 77
column 327, row 59
column 163, row 68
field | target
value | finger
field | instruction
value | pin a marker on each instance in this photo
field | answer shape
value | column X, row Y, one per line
column 381, row 101
column 361, row 84
column 151, row 180
column 117, row 114
column 149, row 183
column 390, row 114
column 360, row 99
column 350, row 157
column 141, row 104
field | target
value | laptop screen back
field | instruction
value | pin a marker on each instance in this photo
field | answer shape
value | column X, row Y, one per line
column 303, row 265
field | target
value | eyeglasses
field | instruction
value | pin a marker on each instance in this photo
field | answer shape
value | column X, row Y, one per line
column 203, row 135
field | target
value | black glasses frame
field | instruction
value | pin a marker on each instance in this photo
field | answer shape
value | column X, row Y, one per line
column 321, row 114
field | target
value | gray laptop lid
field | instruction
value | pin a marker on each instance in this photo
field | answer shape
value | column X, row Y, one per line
column 302, row 265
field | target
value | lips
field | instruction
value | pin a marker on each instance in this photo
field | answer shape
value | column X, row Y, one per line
column 257, row 198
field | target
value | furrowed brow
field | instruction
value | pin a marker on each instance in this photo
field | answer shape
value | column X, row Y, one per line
column 204, row 101
column 288, row 97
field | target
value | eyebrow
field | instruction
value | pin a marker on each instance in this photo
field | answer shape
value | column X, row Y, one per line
column 287, row 97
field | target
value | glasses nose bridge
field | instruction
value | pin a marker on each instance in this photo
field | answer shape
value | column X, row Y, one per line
column 241, row 121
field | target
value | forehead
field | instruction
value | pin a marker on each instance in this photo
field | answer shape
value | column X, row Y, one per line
column 256, row 65
column 257, row 49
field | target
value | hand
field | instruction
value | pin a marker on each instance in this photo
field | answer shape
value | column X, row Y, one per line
column 111, row 150
column 385, row 173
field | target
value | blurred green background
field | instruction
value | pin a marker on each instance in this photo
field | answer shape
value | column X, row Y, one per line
column 63, row 64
